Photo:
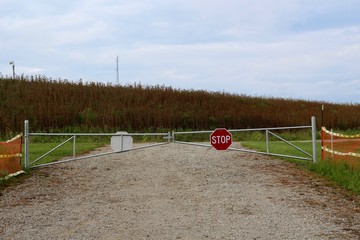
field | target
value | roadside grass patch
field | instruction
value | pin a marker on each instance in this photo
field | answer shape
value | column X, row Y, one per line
column 339, row 173
column 36, row 150
column 39, row 145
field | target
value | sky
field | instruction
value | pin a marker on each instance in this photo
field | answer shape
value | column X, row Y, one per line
column 297, row 49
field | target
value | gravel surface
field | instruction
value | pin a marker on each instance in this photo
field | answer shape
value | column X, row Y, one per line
column 177, row 192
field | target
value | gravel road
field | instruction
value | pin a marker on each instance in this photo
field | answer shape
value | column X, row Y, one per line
column 177, row 192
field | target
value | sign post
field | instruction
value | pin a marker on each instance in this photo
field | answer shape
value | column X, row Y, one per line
column 221, row 139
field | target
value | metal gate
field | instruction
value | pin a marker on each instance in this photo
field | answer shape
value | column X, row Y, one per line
column 73, row 136
column 167, row 139
column 268, row 132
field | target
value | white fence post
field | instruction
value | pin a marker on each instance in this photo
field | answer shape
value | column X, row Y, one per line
column 313, row 128
column 267, row 141
column 74, row 147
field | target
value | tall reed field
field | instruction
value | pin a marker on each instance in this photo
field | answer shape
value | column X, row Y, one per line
column 64, row 106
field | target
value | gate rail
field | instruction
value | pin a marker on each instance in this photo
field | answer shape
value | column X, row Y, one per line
column 311, row 156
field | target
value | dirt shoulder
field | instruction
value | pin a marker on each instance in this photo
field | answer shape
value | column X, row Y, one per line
column 177, row 192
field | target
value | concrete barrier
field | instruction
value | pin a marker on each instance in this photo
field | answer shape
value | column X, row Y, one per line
column 121, row 143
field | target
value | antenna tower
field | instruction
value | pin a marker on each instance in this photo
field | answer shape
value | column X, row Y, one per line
column 117, row 70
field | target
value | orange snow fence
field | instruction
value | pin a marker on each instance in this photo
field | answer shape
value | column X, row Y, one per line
column 341, row 148
column 10, row 156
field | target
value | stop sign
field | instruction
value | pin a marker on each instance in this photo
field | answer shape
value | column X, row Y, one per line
column 221, row 139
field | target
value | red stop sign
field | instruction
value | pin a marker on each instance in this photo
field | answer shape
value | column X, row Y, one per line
column 221, row 139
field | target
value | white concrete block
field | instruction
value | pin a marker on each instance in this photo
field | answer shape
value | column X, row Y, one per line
column 121, row 143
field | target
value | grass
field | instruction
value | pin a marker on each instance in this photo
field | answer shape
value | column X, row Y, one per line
column 339, row 173
column 280, row 147
column 40, row 145
column 36, row 150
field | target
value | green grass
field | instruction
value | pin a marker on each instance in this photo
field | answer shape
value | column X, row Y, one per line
column 341, row 174
column 38, row 149
column 280, row 147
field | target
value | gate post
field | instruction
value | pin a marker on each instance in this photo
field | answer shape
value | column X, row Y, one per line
column 26, row 143
column 267, row 141
column 313, row 130
column 74, row 147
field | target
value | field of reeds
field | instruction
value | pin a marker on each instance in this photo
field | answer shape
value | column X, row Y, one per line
column 65, row 106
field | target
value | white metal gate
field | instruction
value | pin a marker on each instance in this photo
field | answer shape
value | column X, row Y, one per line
column 73, row 137
column 167, row 139
column 268, row 132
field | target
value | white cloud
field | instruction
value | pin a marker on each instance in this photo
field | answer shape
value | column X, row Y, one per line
column 276, row 48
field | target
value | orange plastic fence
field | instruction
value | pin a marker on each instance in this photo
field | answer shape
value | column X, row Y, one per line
column 10, row 156
column 341, row 147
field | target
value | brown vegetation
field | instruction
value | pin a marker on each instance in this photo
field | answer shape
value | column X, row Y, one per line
column 60, row 105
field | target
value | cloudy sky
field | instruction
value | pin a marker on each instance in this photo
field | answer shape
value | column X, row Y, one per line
column 299, row 49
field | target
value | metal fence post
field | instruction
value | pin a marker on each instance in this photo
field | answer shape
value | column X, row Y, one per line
column 267, row 141
column 74, row 147
column 26, row 143
column 122, row 142
column 313, row 128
